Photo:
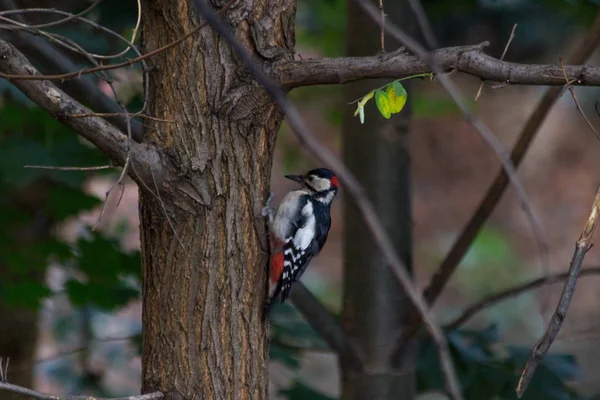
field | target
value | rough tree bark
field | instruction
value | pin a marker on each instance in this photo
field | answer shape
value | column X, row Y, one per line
column 377, row 152
column 204, row 265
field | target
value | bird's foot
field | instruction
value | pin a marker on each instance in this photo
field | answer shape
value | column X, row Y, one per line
column 267, row 211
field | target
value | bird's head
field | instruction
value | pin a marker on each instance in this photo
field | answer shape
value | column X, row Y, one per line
column 320, row 182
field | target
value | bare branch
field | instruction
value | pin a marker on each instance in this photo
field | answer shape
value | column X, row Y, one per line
column 51, row 59
column 382, row 33
column 325, row 325
column 61, row 21
column 398, row 64
column 441, row 277
column 60, row 105
column 95, row 168
column 583, row 245
column 354, row 188
column 514, row 291
column 7, row 387
column 91, row 70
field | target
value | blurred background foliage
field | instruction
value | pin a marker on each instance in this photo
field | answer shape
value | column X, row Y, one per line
column 81, row 285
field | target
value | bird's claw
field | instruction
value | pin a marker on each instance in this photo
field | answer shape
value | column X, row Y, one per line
column 267, row 211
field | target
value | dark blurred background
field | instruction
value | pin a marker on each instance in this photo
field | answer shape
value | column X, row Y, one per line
column 69, row 296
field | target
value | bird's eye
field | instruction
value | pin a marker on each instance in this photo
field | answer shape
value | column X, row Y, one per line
column 311, row 178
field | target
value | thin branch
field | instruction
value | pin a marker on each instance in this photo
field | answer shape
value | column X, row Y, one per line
column 514, row 291
column 510, row 39
column 354, row 188
column 7, row 387
column 91, row 70
column 423, row 21
column 325, row 325
column 95, row 168
column 13, row 26
column 583, row 245
column 70, row 45
column 487, row 205
column 51, row 59
column 382, row 32
column 98, row 131
column 570, row 87
column 4, row 370
column 60, row 105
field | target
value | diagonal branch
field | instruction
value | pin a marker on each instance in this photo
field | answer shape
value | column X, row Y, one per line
column 325, row 325
column 41, row 396
column 52, row 60
column 583, row 245
column 441, row 277
column 399, row 64
column 60, row 105
column 514, row 291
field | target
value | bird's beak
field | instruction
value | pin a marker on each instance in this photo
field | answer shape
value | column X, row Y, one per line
column 295, row 178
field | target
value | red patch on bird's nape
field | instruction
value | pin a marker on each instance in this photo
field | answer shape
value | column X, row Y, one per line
column 334, row 182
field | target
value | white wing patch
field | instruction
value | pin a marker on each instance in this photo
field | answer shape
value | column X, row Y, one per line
column 306, row 233
column 286, row 213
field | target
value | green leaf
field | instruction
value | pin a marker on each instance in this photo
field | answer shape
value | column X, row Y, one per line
column 26, row 293
column 299, row 391
column 15, row 153
column 107, row 297
column 383, row 104
column 64, row 202
column 399, row 89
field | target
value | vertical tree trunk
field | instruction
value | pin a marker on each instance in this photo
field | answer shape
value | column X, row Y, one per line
column 377, row 152
column 19, row 333
column 204, row 266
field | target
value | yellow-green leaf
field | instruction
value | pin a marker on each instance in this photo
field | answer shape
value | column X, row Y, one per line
column 383, row 104
column 397, row 102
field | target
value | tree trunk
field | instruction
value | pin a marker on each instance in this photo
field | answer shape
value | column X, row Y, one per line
column 374, row 306
column 19, row 333
column 204, row 249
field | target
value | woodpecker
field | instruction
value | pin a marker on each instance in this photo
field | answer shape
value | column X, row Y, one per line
column 299, row 229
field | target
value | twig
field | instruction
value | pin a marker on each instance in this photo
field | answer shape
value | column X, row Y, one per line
column 41, row 396
column 51, row 59
column 514, row 291
column 510, row 39
column 382, row 31
column 423, row 21
column 96, row 168
column 494, row 193
column 583, row 245
column 570, row 87
column 13, row 26
column 85, row 71
column 4, row 370
column 353, row 187
column 103, row 115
